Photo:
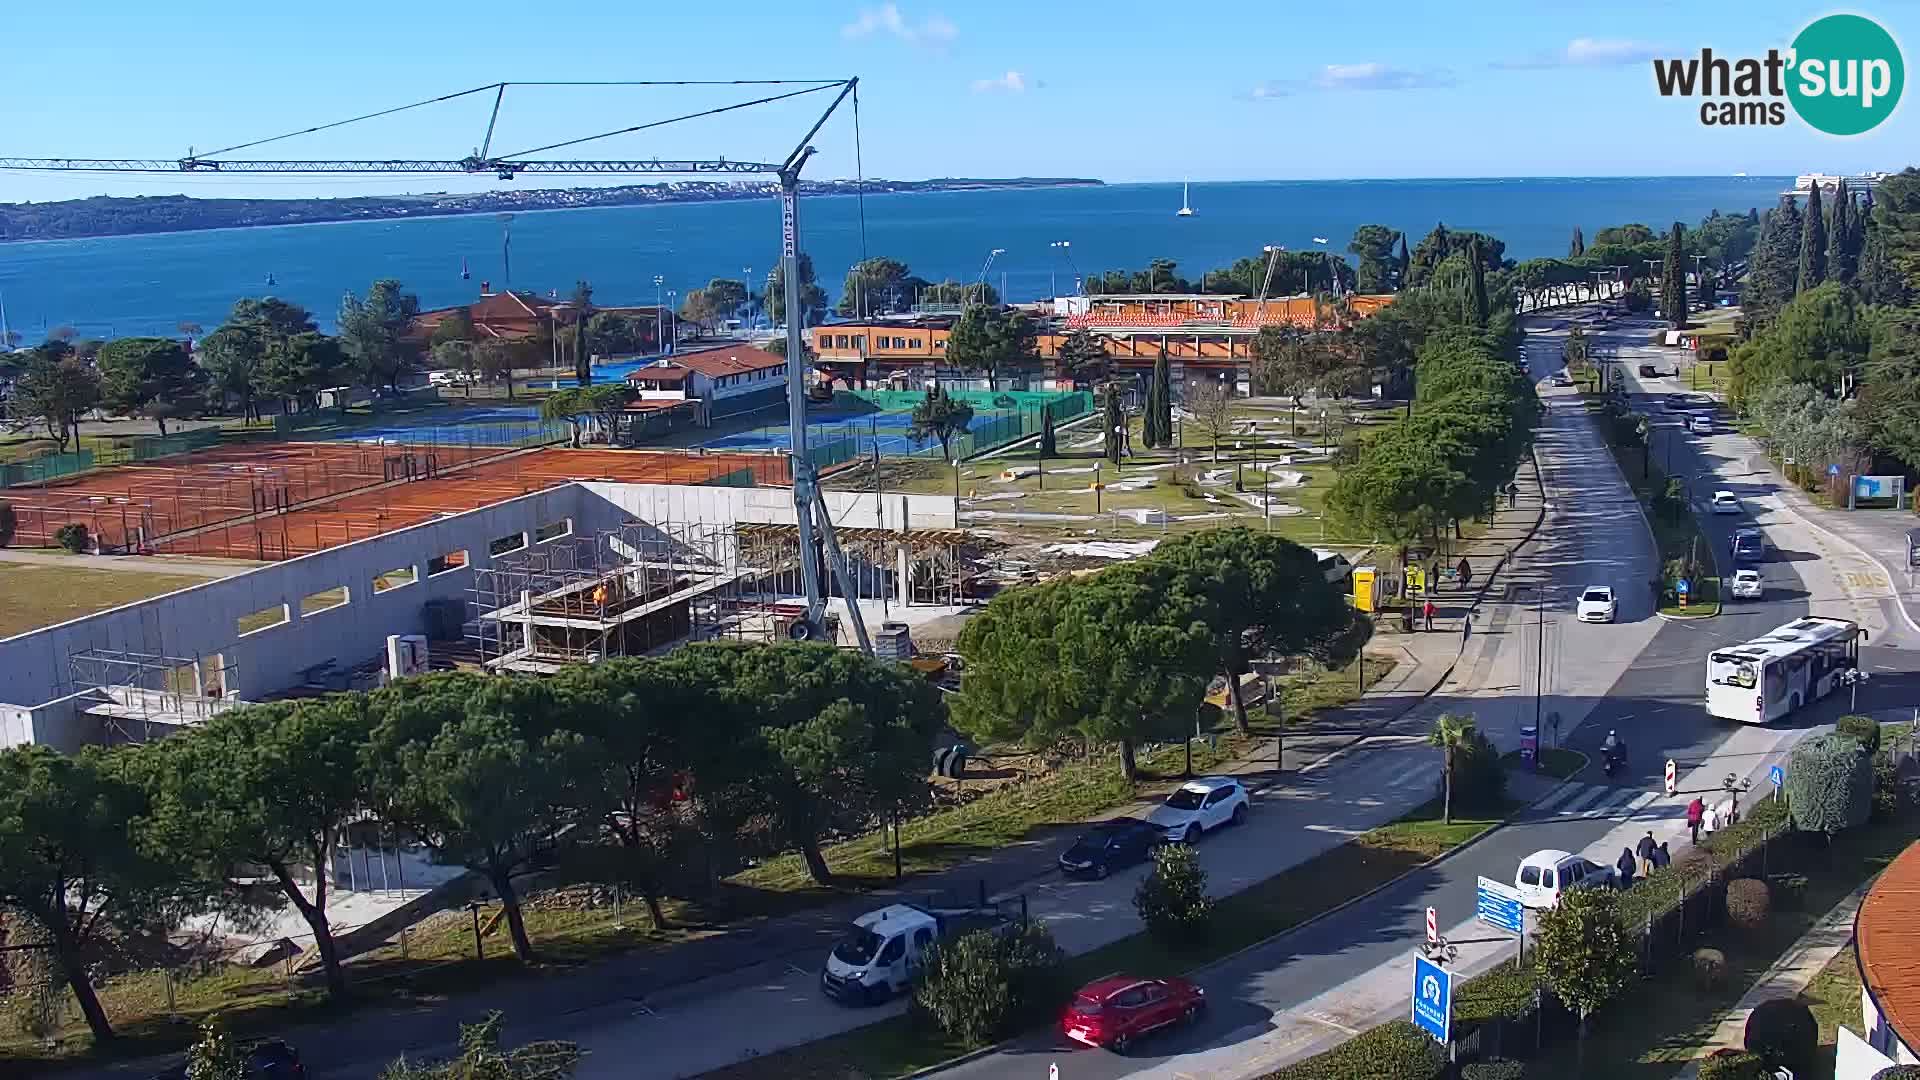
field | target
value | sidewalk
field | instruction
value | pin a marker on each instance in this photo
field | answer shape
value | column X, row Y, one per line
column 1789, row 975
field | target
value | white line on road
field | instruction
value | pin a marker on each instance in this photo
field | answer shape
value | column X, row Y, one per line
column 1593, row 795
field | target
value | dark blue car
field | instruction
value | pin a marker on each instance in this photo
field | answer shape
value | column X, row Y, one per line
column 1107, row 846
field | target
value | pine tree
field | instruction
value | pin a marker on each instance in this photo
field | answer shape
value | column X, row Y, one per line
column 1579, row 245
column 1813, row 244
column 1843, row 237
column 1163, row 401
column 1673, row 278
column 1876, row 278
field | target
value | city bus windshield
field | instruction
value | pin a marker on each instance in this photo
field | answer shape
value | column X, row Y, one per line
column 1728, row 670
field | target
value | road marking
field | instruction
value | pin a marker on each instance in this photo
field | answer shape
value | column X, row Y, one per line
column 1335, row 1024
column 1558, row 797
column 1609, row 806
column 1593, row 794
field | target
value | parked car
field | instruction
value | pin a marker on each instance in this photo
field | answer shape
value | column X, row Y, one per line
column 1747, row 585
column 1545, row 876
column 1560, row 379
column 268, row 1059
column 1199, row 806
column 1596, row 604
column 1726, row 502
column 1114, row 1011
column 1107, row 846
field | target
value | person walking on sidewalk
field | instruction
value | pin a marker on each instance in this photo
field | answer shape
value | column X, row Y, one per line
column 1696, row 810
column 1466, row 572
column 1626, row 867
column 1428, row 612
column 1645, row 849
column 1661, row 857
column 1710, row 822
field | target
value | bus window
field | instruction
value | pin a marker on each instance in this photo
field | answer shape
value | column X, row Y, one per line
column 1732, row 671
column 1775, row 677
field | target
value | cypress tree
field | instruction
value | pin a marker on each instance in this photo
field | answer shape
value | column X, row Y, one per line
column 1673, row 278
column 1579, row 245
column 1150, row 417
column 1163, row 401
column 1753, row 215
column 1771, row 269
column 1401, row 263
column 1477, row 298
column 1843, row 237
column 1813, row 244
column 1114, row 419
column 1048, row 446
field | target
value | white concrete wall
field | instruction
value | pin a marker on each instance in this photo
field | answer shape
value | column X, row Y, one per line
column 200, row 622
column 724, row 505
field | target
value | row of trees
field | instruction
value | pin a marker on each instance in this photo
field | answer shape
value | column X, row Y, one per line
column 1832, row 364
column 1126, row 655
column 627, row 765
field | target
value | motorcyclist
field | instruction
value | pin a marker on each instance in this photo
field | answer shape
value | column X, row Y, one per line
column 1614, row 750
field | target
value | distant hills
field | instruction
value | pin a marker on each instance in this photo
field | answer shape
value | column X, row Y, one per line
column 111, row 216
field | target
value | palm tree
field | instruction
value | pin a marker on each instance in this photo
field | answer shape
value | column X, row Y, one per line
column 1451, row 733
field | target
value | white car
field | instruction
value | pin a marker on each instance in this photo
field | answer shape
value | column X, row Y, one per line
column 1545, row 876
column 1701, row 425
column 1199, row 806
column 1560, row 379
column 1596, row 604
column 1747, row 585
column 1725, row 502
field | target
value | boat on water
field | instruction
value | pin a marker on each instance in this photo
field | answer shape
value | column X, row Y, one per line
column 464, row 275
column 270, row 282
column 1319, row 239
column 1186, row 204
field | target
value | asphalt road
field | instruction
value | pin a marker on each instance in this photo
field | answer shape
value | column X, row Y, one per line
column 1655, row 705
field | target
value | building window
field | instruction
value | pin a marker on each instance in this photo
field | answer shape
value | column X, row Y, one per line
column 916, row 343
column 839, row 341
column 859, row 341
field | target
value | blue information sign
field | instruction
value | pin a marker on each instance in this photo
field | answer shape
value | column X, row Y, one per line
column 1777, row 776
column 1432, row 999
column 1682, row 587
column 1498, row 905
column 1833, row 470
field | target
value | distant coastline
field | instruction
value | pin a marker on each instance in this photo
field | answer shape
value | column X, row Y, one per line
column 114, row 216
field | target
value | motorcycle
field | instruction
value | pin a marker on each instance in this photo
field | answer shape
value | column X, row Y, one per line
column 1613, row 760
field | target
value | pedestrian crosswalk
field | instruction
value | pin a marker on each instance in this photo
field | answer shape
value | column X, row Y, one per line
column 1596, row 801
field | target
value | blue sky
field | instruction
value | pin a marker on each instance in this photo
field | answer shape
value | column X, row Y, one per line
column 1117, row 90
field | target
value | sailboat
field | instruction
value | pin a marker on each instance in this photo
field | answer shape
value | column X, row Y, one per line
column 1186, row 205
column 463, row 268
column 270, row 282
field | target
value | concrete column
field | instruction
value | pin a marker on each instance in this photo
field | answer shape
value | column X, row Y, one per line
column 904, row 584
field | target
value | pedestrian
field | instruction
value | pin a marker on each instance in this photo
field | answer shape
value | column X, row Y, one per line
column 1711, row 821
column 1428, row 612
column 1466, row 572
column 1696, row 810
column 1625, row 866
column 1662, row 858
column 1645, row 849
column 1433, row 575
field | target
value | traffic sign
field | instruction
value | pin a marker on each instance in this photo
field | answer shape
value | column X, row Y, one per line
column 1498, row 905
column 1433, row 927
column 1833, row 470
column 1673, row 777
column 1432, row 999
column 1682, row 588
column 1777, row 776
column 1053, row 1071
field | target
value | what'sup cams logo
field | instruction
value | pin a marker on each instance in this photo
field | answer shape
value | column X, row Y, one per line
column 1843, row 75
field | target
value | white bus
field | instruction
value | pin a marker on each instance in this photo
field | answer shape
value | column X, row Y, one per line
column 1773, row 675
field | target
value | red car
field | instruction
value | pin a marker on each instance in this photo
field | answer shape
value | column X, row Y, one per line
column 1114, row 1011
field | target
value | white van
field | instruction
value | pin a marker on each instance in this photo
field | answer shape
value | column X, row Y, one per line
column 883, row 951
column 1545, row 875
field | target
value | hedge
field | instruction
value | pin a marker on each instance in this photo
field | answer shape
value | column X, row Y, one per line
column 1392, row 1051
column 1655, row 893
column 1829, row 784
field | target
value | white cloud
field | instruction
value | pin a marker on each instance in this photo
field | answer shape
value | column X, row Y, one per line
column 1588, row 52
column 1345, row 77
column 933, row 31
column 1012, row 83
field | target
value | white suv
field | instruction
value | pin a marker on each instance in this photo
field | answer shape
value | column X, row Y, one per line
column 1199, row 806
column 1747, row 585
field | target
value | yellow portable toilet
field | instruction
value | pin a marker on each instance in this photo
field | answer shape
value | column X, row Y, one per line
column 1363, row 587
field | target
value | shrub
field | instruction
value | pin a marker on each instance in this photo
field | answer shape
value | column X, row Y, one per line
column 9, row 521
column 1585, row 954
column 1036, row 971
column 72, row 536
column 1887, row 789
column 1863, row 729
column 1392, row 1051
column 1829, row 784
column 1748, row 903
column 1172, row 900
column 1479, row 777
column 1732, row 1065
column 983, row 985
column 1785, row 1034
column 1899, row 1072
column 1494, row 1069
column 1709, row 968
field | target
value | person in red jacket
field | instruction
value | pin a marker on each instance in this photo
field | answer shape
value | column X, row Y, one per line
column 1695, row 811
column 1428, row 612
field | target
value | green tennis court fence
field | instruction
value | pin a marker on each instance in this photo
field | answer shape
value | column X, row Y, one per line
column 39, row 470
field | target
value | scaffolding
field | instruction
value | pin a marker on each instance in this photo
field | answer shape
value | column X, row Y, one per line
column 140, row 696
column 912, row 567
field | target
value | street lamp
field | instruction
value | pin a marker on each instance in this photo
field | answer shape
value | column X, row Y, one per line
column 659, row 314
column 746, row 276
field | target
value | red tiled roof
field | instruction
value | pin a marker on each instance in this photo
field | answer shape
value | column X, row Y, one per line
column 729, row 360
column 1887, row 934
column 668, row 373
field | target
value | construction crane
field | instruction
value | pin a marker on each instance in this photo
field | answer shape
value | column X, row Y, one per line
column 814, row 523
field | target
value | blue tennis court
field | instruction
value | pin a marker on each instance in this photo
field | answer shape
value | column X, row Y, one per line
column 850, row 434
column 501, row 425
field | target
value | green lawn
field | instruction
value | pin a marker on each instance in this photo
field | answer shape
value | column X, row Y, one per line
column 33, row 595
column 1834, row 997
column 895, row 1047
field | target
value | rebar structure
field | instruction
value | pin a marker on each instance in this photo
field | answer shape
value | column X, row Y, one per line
column 139, row 696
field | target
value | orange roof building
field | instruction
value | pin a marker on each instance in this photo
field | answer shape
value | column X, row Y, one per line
column 1886, row 935
column 516, row 316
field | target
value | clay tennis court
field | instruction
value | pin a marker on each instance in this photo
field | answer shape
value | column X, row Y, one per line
column 274, row 535
column 130, row 506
